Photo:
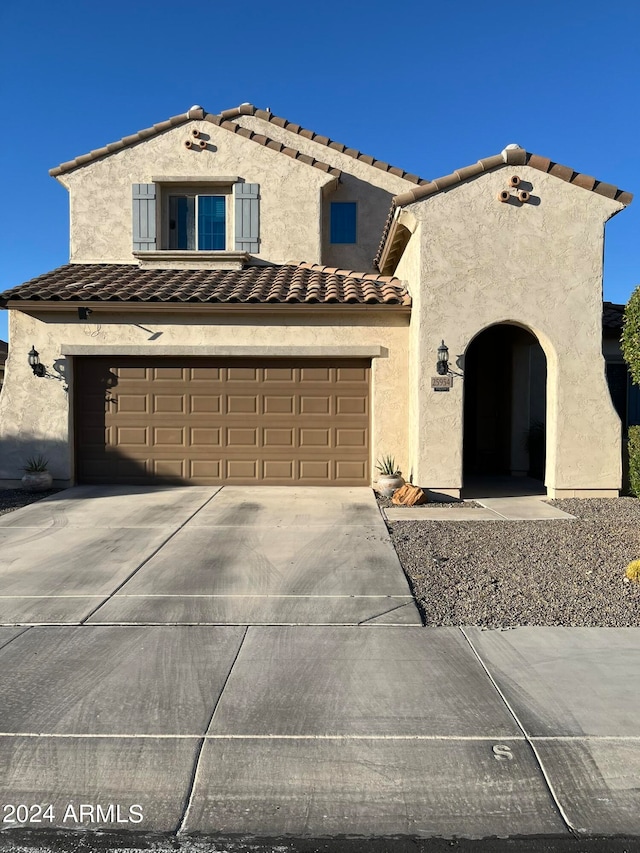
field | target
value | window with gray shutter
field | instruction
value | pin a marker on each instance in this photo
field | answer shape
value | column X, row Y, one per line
column 144, row 217
column 246, row 198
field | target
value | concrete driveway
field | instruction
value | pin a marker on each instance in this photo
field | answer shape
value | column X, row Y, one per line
column 201, row 556
column 118, row 713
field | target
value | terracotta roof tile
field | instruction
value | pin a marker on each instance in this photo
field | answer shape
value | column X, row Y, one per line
column 510, row 156
column 221, row 120
column 249, row 109
column 290, row 283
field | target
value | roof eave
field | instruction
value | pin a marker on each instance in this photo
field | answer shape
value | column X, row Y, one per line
column 114, row 306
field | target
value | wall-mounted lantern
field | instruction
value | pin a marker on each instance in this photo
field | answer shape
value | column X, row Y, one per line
column 442, row 365
column 34, row 363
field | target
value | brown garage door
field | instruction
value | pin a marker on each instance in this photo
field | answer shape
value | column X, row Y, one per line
column 209, row 421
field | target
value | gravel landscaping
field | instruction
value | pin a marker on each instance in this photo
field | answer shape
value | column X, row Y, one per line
column 11, row 499
column 502, row 574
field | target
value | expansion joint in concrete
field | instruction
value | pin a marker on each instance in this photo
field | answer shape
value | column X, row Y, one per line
column 534, row 751
column 146, row 559
column 196, row 764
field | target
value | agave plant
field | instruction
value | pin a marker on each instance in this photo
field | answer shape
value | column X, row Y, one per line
column 387, row 466
column 36, row 464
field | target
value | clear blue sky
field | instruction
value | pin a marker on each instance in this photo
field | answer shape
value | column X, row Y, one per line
column 423, row 85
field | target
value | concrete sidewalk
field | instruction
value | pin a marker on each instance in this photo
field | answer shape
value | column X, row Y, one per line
column 529, row 508
column 117, row 713
column 322, row 731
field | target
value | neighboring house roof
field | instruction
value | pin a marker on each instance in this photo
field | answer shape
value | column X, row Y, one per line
column 612, row 318
column 512, row 155
column 223, row 120
column 4, row 349
column 290, row 284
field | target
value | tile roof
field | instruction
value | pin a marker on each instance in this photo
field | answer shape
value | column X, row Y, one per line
column 512, row 155
column 175, row 121
column 223, row 119
column 267, row 115
column 290, row 284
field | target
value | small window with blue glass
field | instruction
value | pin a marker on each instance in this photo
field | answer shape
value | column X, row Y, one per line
column 343, row 222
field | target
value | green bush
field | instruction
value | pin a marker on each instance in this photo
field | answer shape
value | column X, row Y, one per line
column 634, row 460
column 630, row 340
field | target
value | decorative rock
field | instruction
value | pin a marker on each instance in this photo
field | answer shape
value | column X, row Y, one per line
column 409, row 496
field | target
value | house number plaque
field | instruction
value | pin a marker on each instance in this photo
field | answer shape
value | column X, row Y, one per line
column 441, row 383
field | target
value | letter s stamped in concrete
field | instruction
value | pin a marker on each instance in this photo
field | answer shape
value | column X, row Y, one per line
column 502, row 752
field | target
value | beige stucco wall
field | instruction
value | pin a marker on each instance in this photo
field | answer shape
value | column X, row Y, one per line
column 372, row 189
column 290, row 193
column 36, row 413
column 538, row 265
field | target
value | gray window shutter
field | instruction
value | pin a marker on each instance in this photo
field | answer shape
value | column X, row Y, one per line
column 247, row 206
column 144, row 217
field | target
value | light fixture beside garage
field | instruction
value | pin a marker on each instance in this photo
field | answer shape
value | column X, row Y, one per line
column 83, row 313
column 34, row 362
column 442, row 365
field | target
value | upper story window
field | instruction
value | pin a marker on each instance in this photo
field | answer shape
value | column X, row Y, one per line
column 343, row 222
column 197, row 222
column 220, row 216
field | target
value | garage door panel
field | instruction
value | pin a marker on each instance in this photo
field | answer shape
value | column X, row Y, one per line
column 168, row 437
column 274, row 437
column 132, row 436
column 315, row 437
column 349, row 438
column 173, row 403
column 169, row 468
column 127, row 373
column 205, row 469
column 315, row 374
column 280, row 374
column 242, row 469
column 242, row 374
column 204, row 374
column 242, row 437
column 349, row 470
column 315, row 405
column 282, row 470
column 209, row 421
column 242, row 405
column 168, row 374
column 205, row 404
column 356, row 405
column 135, row 403
column 351, row 374
column 314, row 469
column 205, row 437
column 281, row 405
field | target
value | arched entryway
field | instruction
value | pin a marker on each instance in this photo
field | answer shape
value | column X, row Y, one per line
column 505, row 375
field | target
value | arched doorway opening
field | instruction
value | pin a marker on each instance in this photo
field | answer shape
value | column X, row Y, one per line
column 505, row 379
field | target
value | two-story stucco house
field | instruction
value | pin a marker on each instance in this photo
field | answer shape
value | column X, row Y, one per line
column 248, row 302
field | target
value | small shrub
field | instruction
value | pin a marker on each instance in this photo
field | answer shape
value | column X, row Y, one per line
column 634, row 460
column 633, row 571
column 630, row 340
